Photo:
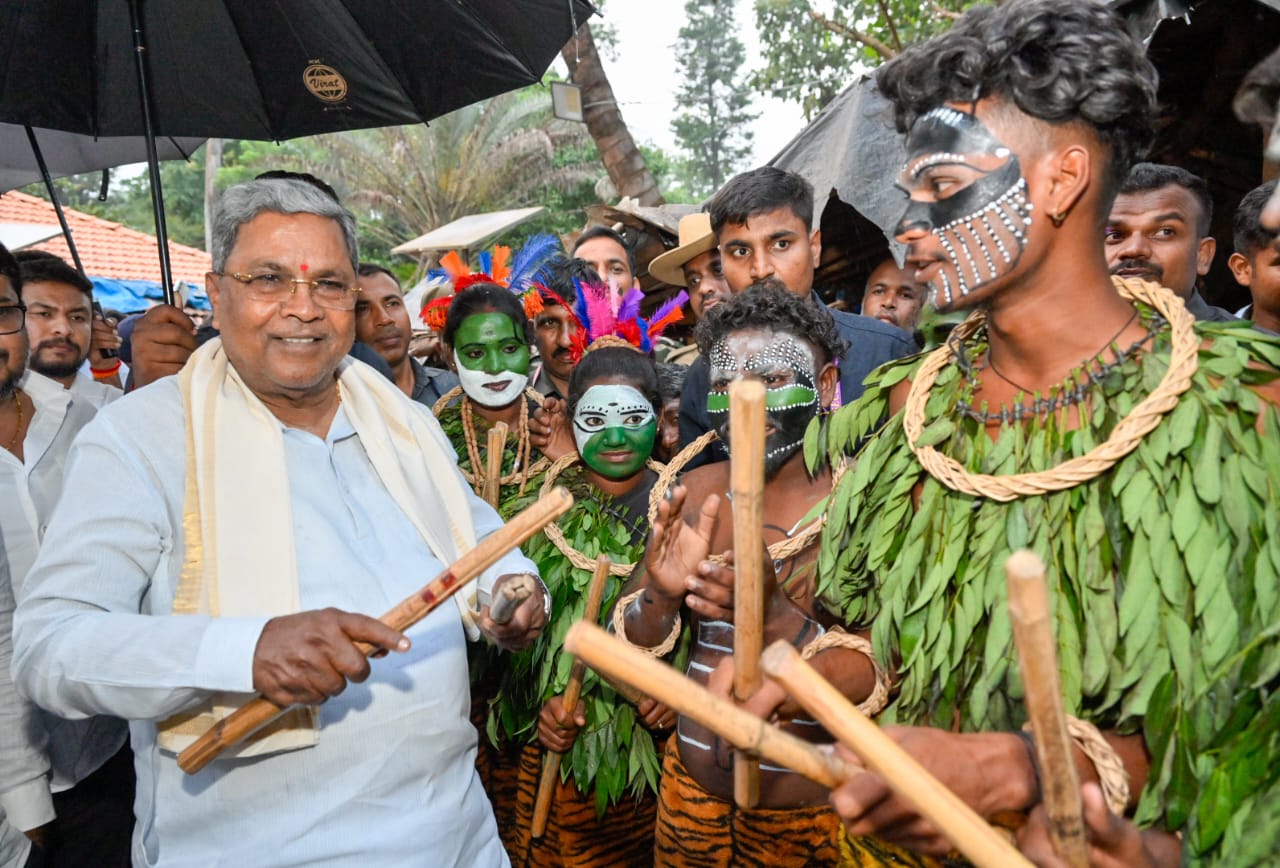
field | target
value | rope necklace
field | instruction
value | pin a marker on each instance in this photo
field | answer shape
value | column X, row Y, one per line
column 522, row 469
column 1125, row 437
column 17, row 431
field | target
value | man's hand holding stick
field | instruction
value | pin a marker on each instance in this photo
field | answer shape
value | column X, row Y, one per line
column 1038, row 660
column 257, row 713
column 971, row 835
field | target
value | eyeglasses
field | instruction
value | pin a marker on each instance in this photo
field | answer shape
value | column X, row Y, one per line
column 271, row 286
column 12, row 318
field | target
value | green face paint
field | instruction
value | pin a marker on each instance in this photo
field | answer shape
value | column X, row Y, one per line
column 615, row 428
column 489, row 342
column 492, row 358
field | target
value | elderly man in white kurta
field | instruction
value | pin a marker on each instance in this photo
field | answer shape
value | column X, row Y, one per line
column 229, row 522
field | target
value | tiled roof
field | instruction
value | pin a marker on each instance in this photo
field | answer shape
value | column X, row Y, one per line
column 107, row 249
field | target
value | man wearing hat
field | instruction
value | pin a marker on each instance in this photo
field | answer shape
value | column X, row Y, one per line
column 695, row 265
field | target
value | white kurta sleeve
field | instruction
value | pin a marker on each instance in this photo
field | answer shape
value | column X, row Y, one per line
column 91, row 633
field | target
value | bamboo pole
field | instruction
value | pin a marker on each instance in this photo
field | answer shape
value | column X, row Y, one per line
column 495, row 445
column 972, row 836
column 621, row 661
column 551, row 765
column 1038, row 661
column 257, row 713
column 746, row 472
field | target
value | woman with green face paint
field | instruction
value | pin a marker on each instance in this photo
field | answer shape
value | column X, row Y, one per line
column 486, row 336
column 603, row 813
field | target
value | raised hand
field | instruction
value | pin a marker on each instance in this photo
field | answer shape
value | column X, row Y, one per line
column 676, row 548
column 549, row 430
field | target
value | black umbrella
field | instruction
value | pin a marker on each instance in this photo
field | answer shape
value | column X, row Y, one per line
column 274, row 70
column 28, row 155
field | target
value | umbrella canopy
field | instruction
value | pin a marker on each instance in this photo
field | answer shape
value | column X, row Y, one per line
column 252, row 70
column 72, row 153
column 852, row 148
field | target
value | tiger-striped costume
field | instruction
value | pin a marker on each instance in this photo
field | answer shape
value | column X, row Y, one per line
column 699, row 830
column 575, row 837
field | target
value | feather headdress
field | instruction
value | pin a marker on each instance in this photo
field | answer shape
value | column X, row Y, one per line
column 604, row 311
column 499, row 266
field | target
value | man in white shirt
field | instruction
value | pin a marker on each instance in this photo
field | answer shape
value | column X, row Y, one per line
column 45, row 757
column 64, row 330
column 276, row 489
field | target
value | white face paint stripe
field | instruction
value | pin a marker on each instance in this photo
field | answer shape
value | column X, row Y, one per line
column 475, row 384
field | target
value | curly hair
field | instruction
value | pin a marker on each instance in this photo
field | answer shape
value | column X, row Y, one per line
column 1247, row 232
column 767, row 304
column 485, row 298
column 1058, row 62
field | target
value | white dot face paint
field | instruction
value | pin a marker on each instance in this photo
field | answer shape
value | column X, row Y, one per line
column 968, row 191
column 490, row 390
column 787, row 368
column 614, row 428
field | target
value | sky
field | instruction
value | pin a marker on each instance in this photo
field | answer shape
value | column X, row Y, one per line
column 645, row 75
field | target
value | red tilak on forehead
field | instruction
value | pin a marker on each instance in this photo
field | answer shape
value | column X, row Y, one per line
column 303, row 266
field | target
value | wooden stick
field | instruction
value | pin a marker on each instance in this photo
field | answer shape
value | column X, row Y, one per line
column 257, row 713
column 746, row 473
column 509, row 596
column 551, row 765
column 620, row 661
column 1038, row 660
column 981, row 844
column 496, row 444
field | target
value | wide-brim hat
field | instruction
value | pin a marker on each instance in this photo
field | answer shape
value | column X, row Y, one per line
column 696, row 238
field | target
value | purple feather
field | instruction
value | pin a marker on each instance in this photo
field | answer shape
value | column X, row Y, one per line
column 672, row 304
column 630, row 307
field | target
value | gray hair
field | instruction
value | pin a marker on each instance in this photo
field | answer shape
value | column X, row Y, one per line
column 241, row 203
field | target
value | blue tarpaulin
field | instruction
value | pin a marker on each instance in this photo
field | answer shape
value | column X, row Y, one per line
column 129, row 296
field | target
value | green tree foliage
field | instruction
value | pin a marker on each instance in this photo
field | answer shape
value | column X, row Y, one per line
column 814, row 48
column 713, row 128
column 507, row 152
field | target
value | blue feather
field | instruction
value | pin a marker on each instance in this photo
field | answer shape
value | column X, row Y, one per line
column 529, row 260
column 486, row 263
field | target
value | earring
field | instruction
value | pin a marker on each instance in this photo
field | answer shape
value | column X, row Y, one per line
column 1058, row 218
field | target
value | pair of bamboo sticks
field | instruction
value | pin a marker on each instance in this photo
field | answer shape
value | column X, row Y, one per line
column 752, row 736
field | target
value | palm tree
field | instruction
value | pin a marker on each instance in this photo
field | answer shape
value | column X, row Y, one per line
column 492, row 155
column 623, row 160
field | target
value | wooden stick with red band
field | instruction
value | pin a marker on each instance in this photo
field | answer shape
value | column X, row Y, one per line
column 551, row 765
column 257, row 713
column 981, row 844
column 746, row 484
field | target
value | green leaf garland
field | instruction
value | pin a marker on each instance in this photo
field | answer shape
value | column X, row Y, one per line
column 1164, row 573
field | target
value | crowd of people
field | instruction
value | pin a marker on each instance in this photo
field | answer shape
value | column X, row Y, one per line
column 224, row 517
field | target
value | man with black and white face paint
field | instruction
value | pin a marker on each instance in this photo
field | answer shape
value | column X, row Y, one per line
column 786, row 365
column 977, row 206
column 770, row 335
